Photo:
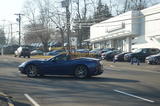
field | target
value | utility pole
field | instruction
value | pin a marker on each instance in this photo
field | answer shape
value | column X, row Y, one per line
column 2, row 48
column 19, row 21
column 65, row 4
column 11, row 41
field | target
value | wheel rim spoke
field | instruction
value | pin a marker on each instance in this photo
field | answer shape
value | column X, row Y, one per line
column 81, row 72
column 32, row 71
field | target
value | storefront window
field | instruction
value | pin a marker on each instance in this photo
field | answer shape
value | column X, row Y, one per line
column 96, row 45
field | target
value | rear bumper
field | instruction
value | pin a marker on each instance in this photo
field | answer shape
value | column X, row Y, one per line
column 98, row 70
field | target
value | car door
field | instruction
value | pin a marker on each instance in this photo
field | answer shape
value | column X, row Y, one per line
column 142, row 55
column 63, row 67
column 60, row 65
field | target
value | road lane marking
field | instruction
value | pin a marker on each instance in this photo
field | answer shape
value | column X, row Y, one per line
column 133, row 96
column 31, row 100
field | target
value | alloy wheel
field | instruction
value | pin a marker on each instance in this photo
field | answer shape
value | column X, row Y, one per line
column 81, row 72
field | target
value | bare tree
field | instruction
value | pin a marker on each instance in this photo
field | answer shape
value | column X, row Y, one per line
column 39, row 22
column 2, row 37
column 129, row 5
column 81, row 16
column 58, row 18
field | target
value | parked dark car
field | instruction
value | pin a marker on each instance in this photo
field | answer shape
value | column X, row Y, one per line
column 22, row 51
column 55, row 52
column 106, row 50
column 153, row 59
column 82, row 50
column 62, row 64
column 95, row 51
column 110, row 54
column 120, row 57
column 36, row 52
column 141, row 54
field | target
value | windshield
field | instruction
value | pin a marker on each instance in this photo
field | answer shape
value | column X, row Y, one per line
column 138, row 50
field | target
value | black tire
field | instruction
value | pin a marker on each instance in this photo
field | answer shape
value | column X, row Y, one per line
column 41, row 75
column 32, row 71
column 28, row 56
column 81, row 72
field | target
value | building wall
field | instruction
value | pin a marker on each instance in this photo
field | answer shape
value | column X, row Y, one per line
column 149, row 28
column 124, row 22
column 143, row 29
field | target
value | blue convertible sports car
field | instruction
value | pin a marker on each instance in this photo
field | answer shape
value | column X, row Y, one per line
column 62, row 64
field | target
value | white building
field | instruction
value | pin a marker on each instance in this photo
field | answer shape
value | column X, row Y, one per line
column 128, row 31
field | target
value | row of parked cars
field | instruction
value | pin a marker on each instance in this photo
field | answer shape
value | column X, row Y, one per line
column 26, row 52
column 148, row 55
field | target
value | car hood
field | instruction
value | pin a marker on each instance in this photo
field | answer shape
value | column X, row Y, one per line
column 31, row 61
column 37, row 60
column 151, row 56
column 131, row 54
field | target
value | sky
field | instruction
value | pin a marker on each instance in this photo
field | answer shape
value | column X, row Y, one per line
column 7, row 10
column 9, row 7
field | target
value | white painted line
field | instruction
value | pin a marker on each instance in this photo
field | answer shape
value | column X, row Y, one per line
column 31, row 100
column 133, row 96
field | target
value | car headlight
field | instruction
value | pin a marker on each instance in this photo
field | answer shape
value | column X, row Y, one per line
column 23, row 64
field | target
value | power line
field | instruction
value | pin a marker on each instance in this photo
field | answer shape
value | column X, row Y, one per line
column 39, row 30
column 101, row 24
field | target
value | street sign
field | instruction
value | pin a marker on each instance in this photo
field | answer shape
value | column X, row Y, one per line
column 73, row 41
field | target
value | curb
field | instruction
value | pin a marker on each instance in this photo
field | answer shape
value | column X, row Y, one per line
column 10, row 103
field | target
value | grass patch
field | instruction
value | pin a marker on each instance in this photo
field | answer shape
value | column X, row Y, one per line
column 41, row 57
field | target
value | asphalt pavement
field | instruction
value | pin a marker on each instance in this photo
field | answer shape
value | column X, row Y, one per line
column 121, row 84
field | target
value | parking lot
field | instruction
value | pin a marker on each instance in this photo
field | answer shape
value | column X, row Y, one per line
column 121, row 84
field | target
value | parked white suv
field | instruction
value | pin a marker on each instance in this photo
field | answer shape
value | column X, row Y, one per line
column 22, row 51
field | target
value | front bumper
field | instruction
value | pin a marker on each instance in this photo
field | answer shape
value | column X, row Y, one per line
column 22, row 70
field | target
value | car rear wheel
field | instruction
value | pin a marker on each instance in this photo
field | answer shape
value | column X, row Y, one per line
column 81, row 72
column 32, row 71
column 28, row 56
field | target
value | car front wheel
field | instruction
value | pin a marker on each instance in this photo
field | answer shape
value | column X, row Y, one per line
column 32, row 71
column 81, row 72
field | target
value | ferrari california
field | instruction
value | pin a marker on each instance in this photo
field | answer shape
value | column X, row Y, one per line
column 62, row 64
